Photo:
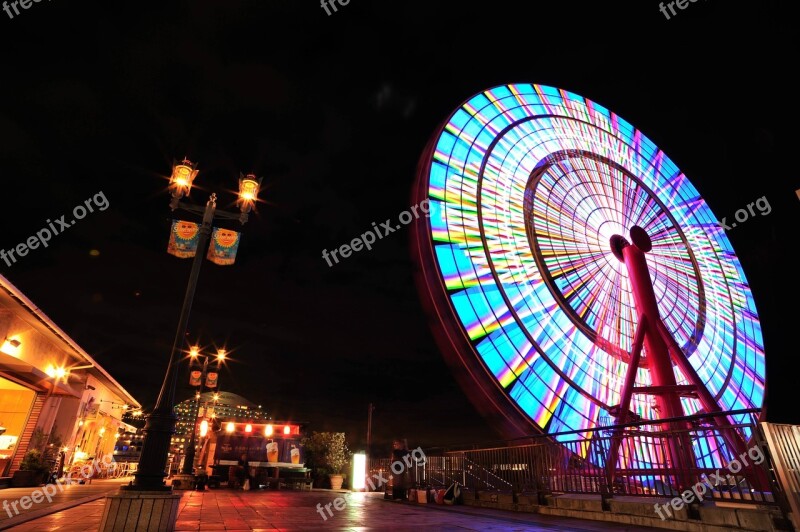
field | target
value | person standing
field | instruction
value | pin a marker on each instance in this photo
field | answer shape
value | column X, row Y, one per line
column 400, row 481
column 242, row 471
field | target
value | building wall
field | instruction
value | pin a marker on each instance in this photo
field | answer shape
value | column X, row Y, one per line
column 96, row 422
column 15, row 406
column 36, row 349
column 32, row 397
column 26, row 370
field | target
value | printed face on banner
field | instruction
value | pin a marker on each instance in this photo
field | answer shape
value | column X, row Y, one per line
column 226, row 238
column 185, row 230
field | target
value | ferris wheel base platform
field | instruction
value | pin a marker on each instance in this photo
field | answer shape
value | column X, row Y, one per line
column 717, row 516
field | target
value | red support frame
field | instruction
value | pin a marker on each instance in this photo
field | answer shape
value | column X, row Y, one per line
column 666, row 391
column 662, row 351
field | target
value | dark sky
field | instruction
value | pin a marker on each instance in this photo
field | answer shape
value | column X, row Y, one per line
column 334, row 112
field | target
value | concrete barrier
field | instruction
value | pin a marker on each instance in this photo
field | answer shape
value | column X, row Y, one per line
column 639, row 511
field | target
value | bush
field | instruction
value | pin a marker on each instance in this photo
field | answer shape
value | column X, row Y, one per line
column 327, row 452
column 34, row 460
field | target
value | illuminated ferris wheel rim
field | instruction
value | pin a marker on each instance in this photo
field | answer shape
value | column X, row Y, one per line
column 464, row 183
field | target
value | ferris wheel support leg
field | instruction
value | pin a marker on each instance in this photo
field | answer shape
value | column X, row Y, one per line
column 731, row 435
column 625, row 402
column 679, row 455
column 710, row 404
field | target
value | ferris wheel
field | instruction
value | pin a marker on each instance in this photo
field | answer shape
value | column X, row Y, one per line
column 575, row 273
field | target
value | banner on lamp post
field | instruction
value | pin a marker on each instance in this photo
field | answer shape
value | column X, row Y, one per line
column 183, row 239
column 211, row 379
column 195, row 378
column 223, row 248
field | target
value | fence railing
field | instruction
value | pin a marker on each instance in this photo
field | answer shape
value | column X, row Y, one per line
column 783, row 442
column 124, row 469
column 726, row 461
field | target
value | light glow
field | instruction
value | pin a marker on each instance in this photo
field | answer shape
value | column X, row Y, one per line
column 268, row 430
column 359, row 471
column 56, row 372
column 230, row 427
column 183, row 175
column 203, row 428
column 248, row 188
column 11, row 346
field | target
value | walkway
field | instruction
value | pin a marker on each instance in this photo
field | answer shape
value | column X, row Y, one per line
column 61, row 497
column 298, row 510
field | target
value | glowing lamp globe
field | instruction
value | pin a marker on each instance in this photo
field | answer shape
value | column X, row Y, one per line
column 183, row 175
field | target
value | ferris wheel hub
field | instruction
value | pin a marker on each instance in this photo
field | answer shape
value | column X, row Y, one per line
column 618, row 243
column 641, row 239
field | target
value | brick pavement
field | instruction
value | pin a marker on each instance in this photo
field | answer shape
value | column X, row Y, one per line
column 297, row 511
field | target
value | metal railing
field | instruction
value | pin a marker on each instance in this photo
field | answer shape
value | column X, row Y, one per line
column 663, row 459
column 123, row 469
column 783, row 442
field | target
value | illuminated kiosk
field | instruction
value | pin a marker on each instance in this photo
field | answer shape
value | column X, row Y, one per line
column 551, row 319
column 273, row 448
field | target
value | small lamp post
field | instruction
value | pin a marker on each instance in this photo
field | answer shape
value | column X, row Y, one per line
column 195, row 355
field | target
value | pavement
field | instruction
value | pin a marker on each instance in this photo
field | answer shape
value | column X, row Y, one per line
column 16, row 509
column 285, row 510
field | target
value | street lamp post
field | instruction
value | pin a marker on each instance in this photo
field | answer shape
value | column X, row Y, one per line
column 161, row 422
column 205, row 426
column 188, row 461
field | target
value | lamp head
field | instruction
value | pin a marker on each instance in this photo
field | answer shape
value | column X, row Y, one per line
column 183, row 174
column 11, row 346
column 249, row 187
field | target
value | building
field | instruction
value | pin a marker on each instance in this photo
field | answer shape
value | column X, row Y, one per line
column 128, row 447
column 221, row 406
column 51, row 391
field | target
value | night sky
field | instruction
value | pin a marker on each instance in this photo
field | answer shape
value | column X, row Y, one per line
column 334, row 112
